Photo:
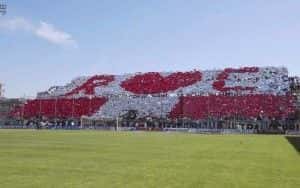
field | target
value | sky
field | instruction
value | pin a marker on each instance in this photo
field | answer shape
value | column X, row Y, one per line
column 50, row 42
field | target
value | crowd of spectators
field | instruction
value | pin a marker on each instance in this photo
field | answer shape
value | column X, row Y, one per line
column 248, row 92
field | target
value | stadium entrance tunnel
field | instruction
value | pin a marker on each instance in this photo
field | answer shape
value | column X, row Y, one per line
column 294, row 141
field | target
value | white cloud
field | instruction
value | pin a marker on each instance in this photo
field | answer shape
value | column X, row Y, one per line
column 53, row 35
column 43, row 30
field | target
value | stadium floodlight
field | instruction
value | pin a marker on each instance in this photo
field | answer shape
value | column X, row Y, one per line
column 3, row 8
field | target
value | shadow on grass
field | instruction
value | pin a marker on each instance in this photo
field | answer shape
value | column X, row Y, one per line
column 294, row 141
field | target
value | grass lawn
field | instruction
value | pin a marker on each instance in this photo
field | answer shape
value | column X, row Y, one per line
column 30, row 158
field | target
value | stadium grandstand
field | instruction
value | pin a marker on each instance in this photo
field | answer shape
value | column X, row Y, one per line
column 187, row 98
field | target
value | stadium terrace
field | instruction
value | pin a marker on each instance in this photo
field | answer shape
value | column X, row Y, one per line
column 247, row 93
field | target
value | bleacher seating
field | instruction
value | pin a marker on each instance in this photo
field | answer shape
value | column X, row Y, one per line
column 153, row 82
column 89, row 86
column 248, row 91
column 200, row 107
column 59, row 108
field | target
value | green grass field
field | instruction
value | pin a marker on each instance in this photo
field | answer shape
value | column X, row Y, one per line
column 30, row 158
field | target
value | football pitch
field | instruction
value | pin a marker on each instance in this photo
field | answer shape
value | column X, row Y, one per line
column 31, row 158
